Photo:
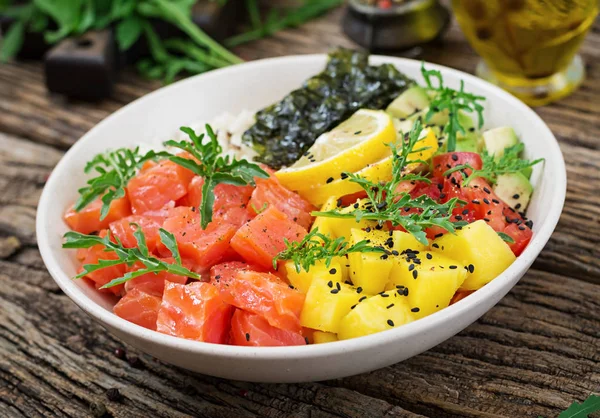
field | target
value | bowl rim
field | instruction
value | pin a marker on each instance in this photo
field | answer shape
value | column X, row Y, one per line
column 423, row 325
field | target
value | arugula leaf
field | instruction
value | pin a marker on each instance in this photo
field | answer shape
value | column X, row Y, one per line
column 577, row 410
column 386, row 205
column 129, row 256
column 506, row 238
column 215, row 168
column 452, row 100
column 509, row 162
column 114, row 169
column 316, row 246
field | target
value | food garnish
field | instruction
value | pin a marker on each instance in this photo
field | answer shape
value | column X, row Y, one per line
column 213, row 166
column 129, row 256
column 452, row 100
column 115, row 169
column 509, row 162
column 317, row 246
column 286, row 129
column 386, row 205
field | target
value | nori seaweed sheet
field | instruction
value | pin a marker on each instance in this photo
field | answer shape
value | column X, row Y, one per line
column 285, row 130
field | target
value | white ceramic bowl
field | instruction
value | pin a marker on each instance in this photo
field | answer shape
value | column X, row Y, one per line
column 253, row 86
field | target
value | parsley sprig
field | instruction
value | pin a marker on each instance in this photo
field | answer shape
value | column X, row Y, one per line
column 114, row 170
column 129, row 256
column 452, row 100
column 210, row 163
column 384, row 204
column 509, row 162
column 316, row 246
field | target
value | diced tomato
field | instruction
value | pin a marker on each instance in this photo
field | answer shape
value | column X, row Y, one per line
column 101, row 277
column 124, row 228
column 521, row 235
column 195, row 311
column 203, row 247
column 139, row 307
column 266, row 295
column 431, row 190
column 269, row 192
column 253, row 330
column 444, row 162
column 152, row 283
column 261, row 239
column 87, row 220
column 158, row 185
column 350, row 199
column 485, row 203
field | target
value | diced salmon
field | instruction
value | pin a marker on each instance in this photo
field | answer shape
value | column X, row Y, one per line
column 87, row 220
column 195, row 311
column 253, row 330
column 153, row 283
column 202, row 247
column 158, row 185
column 101, row 277
column 269, row 192
column 261, row 239
column 124, row 228
column 139, row 307
column 266, row 295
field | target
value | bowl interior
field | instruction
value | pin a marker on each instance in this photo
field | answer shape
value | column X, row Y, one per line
column 157, row 116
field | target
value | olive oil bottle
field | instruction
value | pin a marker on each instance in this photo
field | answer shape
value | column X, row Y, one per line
column 528, row 46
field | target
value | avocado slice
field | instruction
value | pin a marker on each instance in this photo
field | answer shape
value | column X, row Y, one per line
column 497, row 139
column 467, row 143
column 514, row 189
column 410, row 102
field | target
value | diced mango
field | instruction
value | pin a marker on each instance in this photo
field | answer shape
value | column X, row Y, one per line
column 428, row 279
column 427, row 144
column 370, row 271
column 404, row 241
column 320, row 337
column 376, row 313
column 303, row 279
column 323, row 223
column 340, row 227
column 326, row 303
column 478, row 247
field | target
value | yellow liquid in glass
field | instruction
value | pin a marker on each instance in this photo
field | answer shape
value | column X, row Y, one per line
column 526, row 42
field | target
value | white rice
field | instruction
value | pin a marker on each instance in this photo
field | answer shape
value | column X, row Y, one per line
column 229, row 129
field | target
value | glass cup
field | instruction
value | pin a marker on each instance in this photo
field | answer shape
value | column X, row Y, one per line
column 528, row 47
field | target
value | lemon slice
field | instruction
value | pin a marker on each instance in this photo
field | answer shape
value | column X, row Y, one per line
column 360, row 140
column 376, row 172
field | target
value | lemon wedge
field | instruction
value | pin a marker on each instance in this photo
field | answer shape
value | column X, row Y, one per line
column 360, row 140
column 376, row 172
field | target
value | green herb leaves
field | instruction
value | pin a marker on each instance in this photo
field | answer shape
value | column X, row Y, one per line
column 316, row 246
column 385, row 205
column 583, row 410
column 213, row 167
column 114, row 169
column 509, row 162
column 129, row 256
column 453, row 101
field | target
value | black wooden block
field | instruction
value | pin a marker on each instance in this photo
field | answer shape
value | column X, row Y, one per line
column 84, row 67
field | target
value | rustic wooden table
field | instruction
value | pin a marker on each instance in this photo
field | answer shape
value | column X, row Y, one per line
column 533, row 354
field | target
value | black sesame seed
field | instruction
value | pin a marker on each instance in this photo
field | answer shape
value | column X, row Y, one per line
column 441, row 234
column 415, row 310
column 357, row 132
column 465, row 212
column 435, row 245
column 496, row 201
column 362, row 298
column 353, row 306
column 384, row 257
column 429, row 256
column 332, row 271
column 391, row 305
column 338, row 286
column 452, row 267
column 368, row 229
column 471, row 268
column 355, row 206
column 442, row 195
column 522, row 228
column 440, row 186
column 247, row 337
column 329, row 180
column 516, row 196
column 339, row 203
column 454, row 157
column 406, row 291
column 335, row 291
column 485, row 189
column 475, row 202
column 415, row 274
column 394, row 252
column 529, row 224
column 486, row 201
column 330, row 284
column 486, row 219
column 390, row 322
column 359, row 289
column 518, row 206
column 384, row 295
column 458, row 218
column 343, row 176
column 411, row 267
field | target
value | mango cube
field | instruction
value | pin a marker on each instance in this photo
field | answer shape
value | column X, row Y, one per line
column 322, row 223
column 327, row 301
column 370, row 271
column 404, row 241
column 478, row 247
column 374, row 314
column 428, row 279
column 341, row 227
column 320, row 337
column 301, row 280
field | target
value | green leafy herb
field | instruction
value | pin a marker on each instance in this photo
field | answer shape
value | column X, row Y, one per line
column 385, row 205
column 453, row 101
column 114, row 169
column 316, row 246
column 129, row 256
column 286, row 129
column 506, row 237
column 582, row 410
column 213, row 167
column 509, row 162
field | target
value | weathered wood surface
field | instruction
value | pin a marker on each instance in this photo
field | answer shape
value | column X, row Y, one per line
column 533, row 354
